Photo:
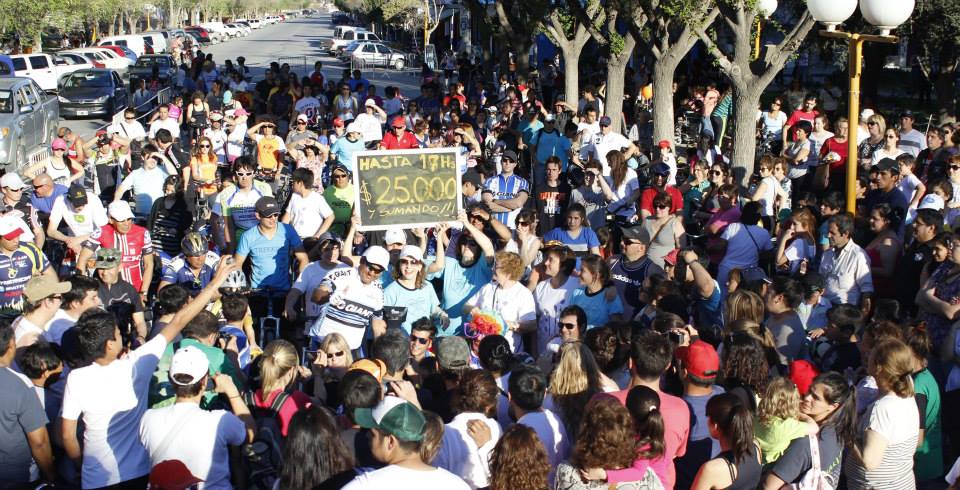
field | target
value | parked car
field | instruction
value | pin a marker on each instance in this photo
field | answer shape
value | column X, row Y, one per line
column 28, row 120
column 122, row 51
column 133, row 41
column 243, row 29
column 6, row 67
column 196, row 38
column 143, row 68
column 378, row 54
column 218, row 32
column 156, row 40
column 78, row 61
column 92, row 93
column 336, row 45
column 110, row 59
column 43, row 68
column 204, row 35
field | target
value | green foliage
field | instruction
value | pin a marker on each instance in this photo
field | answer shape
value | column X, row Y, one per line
column 934, row 30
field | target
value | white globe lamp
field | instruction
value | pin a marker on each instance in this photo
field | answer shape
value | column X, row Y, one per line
column 766, row 8
column 832, row 13
column 886, row 14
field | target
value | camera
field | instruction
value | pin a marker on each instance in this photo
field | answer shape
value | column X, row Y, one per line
column 676, row 336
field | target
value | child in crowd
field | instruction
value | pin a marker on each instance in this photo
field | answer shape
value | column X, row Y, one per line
column 780, row 420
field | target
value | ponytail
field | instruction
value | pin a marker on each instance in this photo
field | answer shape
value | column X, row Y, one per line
column 279, row 358
column 735, row 422
column 644, row 406
column 844, row 417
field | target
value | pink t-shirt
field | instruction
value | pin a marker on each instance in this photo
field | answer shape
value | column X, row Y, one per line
column 724, row 218
column 295, row 402
column 676, row 422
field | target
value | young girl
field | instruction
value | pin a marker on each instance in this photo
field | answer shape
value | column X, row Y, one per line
column 280, row 370
column 780, row 420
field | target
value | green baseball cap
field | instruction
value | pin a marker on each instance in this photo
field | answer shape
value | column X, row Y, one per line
column 393, row 416
column 107, row 258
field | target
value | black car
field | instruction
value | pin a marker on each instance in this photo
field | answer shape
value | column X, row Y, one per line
column 92, row 92
column 143, row 69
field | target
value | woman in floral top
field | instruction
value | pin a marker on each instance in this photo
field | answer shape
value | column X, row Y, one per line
column 939, row 298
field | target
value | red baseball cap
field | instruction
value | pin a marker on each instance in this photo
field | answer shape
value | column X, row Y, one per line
column 700, row 360
column 398, row 121
column 664, row 144
column 337, row 122
column 802, row 374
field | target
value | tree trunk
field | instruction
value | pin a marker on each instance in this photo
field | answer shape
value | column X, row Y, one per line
column 745, row 103
column 571, row 71
column 521, row 46
column 112, row 28
column 132, row 23
column 663, row 116
column 613, row 105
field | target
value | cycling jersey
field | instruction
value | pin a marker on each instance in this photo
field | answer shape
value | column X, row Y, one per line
column 16, row 268
column 178, row 272
column 132, row 246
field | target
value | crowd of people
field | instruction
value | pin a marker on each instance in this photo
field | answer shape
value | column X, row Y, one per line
column 190, row 301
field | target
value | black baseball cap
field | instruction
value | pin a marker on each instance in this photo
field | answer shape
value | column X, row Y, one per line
column 471, row 176
column 267, row 206
column 77, row 195
column 510, row 154
column 605, row 121
column 888, row 165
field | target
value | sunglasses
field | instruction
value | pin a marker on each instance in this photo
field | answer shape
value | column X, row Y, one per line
column 662, row 207
column 301, row 122
column 339, row 176
column 336, row 354
column 716, row 172
column 871, row 123
column 376, row 269
column 243, row 174
column 477, row 217
column 567, row 326
column 523, row 223
column 408, row 262
column 204, row 146
column 420, row 340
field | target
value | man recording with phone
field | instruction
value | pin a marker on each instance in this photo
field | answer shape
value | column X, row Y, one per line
column 689, row 269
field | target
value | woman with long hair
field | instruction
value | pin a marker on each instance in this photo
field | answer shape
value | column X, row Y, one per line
column 796, row 242
column 831, row 403
column 202, row 172
column 314, row 455
column 577, row 234
column 594, row 275
column 525, row 241
column 885, row 248
column 279, row 370
column 474, row 399
column 410, row 290
column 882, row 457
column 621, row 187
column 928, row 460
column 612, row 443
column 744, row 368
column 737, row 467
column 519, row 461
column 334, row 358
column 573, row 383
column 664, row 228
column 891, row 146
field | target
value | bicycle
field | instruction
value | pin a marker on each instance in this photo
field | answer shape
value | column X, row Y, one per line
column 269, row 294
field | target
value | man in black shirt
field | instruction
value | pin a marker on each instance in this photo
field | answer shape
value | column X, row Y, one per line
column 551, row 197
column 631, row 268
column 917, row 255
column 120, row 298
column 262, row 89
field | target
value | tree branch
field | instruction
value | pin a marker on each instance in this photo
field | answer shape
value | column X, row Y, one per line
column 585, row 20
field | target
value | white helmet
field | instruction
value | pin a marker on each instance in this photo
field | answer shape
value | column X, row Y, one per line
column 236, row 280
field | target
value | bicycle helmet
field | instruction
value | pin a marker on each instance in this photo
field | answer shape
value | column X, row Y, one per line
column 235, row 281
column 193, row 245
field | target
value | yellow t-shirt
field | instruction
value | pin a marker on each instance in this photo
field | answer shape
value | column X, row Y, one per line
column 268, row 151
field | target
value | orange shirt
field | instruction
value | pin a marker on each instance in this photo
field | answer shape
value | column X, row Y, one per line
column 268, row 151
column 203, row 171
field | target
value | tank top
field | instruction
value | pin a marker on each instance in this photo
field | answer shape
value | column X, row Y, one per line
column 345, row 106
column 199, row 115
column 203, row 171
column 662, row 242
column 746, row 474
column 59, row 175
column 768, row 197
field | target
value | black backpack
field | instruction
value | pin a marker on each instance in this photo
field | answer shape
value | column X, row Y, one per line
column 264, row 456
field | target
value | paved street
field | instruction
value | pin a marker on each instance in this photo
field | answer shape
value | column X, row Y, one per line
column 296, row 42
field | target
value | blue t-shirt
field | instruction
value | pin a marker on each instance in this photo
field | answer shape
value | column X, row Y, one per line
column 418, row 303
column 550, row 144
column 710, row 310
column 528, row 130
column 580, row 245
column 45, row 204
column 596, row 306
column 343, row 150
column 460, row 284
column 270, row 257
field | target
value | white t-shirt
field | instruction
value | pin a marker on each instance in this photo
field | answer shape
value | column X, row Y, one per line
column 82, row 222
column 313, row 275
column 896, row 419
column 908, row 185
column 586, row 131
column 218, row 137
column 350, row 310
column 132, row 131
column 460, row 455
column 170, row 124
column 399, row 478
column 235, row 140
column 514, row 304
column 552, row 434
column 112, row 399
column 27, row 333
column 549, row 302
column 912, row 142
column 601, row 144
column 308, row 213
column 370, row 127
column 200, row 442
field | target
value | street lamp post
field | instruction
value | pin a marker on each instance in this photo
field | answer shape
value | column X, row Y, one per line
column 886, row 15
column 765, row 8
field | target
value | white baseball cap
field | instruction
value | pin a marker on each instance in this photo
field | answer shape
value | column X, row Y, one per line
column 864, row 114
column 12, row 180
column 394, row 236
column 190, row 361
column 931, row 201
column 120, row 210
column 370, row 103
column 352, row 128
column 413, row 252
column 377, row 255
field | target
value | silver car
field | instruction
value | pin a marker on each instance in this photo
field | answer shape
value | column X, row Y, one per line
column 378, row 54
column 28, row 120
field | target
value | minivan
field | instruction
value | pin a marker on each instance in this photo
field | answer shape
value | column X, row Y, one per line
column 156, row 40
column 133, row 41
